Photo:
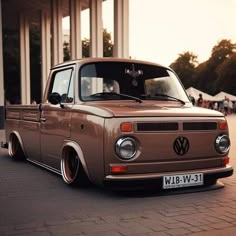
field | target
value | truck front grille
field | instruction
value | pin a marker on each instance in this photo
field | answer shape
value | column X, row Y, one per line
column 174, row 126
column 141, row 127
column 199, row 126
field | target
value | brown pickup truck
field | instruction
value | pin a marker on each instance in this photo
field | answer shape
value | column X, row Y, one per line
column 120, row 124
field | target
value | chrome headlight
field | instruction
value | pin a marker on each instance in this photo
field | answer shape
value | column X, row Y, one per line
column 126, row 148
column 222, row 144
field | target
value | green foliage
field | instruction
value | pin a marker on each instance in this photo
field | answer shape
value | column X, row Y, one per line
column 226, row 75
column 85, row 47
column 207, row 75
column 212, row 76
column 221, row 52
column 185, row 66
column 107, row 45
column 66, row 51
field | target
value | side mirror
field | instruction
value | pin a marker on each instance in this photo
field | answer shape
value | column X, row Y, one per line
column 54, row 98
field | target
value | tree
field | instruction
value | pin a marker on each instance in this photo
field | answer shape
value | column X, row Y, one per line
column 66, row 51
column 207, row 71
column 185, row 66
column 85, row 47
column 203, row 75
column 226, row 75
column 222, row 51
column 107, row 45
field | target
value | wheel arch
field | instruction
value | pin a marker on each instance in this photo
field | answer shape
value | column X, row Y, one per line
column 78, row 150
column 18, row 136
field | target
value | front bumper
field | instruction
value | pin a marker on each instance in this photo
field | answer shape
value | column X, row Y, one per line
column 137, row 181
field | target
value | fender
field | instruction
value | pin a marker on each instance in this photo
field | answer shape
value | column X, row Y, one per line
column 77, row 148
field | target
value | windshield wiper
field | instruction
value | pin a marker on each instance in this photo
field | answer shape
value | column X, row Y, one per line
column 166, row 96
column 117, row 94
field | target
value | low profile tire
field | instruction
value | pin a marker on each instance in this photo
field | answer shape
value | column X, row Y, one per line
column 15, row 150
column 72, row 170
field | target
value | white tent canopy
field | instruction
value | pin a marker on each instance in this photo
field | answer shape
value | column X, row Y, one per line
column 221, row 96
column 195, row 93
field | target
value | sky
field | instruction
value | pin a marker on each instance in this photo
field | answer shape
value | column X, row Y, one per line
column 160, row 30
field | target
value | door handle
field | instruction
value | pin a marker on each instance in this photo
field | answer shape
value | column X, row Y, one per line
column 43, row 119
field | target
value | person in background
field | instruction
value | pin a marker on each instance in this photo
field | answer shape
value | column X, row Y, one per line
column 210, row 105
column 234, row 107
column 226, row 106
column 220, row 107
column 200, row 101
column 192, row 99
column 230, row 107
column 215, row 107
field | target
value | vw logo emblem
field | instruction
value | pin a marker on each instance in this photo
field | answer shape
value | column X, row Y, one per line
column 181, row 146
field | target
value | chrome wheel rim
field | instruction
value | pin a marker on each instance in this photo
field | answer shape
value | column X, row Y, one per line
column 13, row 146
column 70, row 167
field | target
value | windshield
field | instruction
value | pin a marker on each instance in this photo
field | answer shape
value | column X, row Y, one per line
column 129, row 81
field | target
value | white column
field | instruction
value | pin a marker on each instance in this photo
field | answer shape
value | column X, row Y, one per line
column 121, row 28
column 25, row 59
column 96, row 29
column 56, row 21
column 45, row 49
column 2, row 97
column 75, row 29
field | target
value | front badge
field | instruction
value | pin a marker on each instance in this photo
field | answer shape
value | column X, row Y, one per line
column 181, row 146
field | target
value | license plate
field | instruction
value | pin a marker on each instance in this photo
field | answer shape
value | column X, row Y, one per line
column 184, row 180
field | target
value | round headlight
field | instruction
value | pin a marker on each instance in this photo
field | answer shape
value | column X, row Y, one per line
column 126, row 148
column 222, row 144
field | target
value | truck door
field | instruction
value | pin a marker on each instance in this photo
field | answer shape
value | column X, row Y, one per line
column 55, row 119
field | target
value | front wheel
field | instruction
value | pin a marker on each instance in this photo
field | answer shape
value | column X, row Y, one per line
column 72, row 170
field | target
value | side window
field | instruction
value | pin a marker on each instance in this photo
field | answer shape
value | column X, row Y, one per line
column 63, row 84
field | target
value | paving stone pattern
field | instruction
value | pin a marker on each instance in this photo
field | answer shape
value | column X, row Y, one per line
column 35, row 202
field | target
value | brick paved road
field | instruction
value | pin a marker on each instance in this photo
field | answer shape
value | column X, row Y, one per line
column 35, row 202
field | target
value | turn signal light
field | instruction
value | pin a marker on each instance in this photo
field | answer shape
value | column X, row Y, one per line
column 222, row 125
column 118, row 169
column 226, row 161
column 126, row 127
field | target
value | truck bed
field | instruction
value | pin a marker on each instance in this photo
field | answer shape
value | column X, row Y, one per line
column 23, row 112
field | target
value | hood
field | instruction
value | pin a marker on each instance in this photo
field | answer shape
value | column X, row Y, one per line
column 146, row 108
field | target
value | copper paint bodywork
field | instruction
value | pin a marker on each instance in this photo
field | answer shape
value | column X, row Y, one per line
column 93, row 128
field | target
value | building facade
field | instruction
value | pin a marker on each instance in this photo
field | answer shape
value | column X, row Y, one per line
column 31, row 41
